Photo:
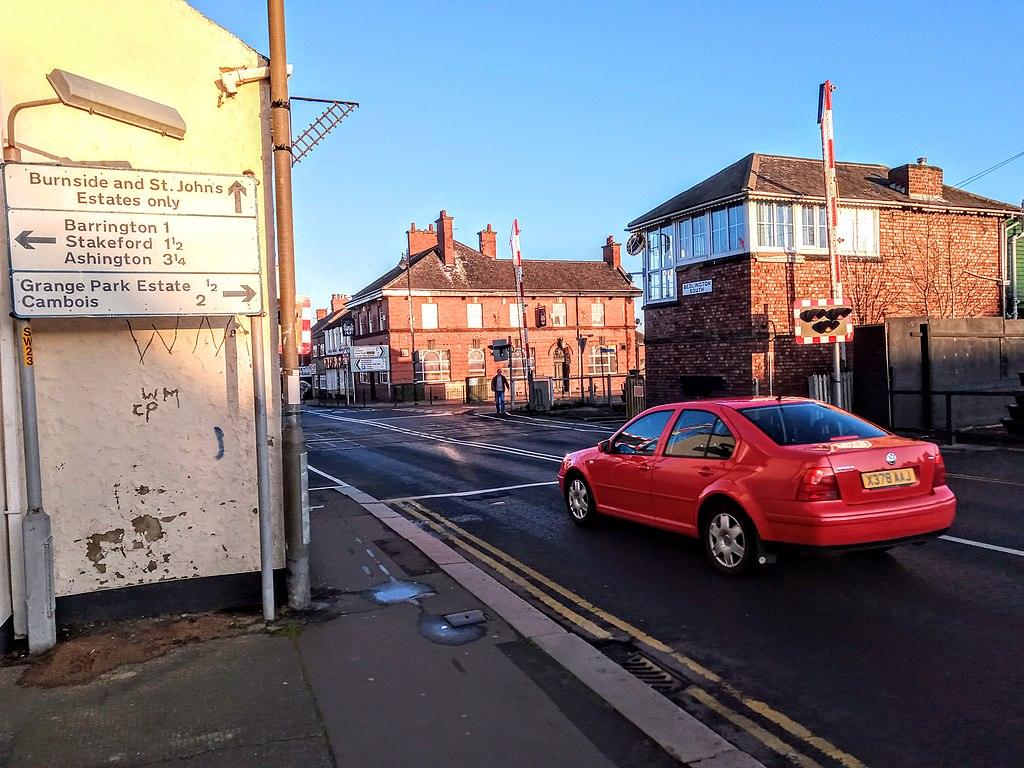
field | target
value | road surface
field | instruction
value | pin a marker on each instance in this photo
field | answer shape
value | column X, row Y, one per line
column 915, row 658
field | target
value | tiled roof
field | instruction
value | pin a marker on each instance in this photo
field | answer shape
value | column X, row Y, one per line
column 796, row 177
column 475, row 272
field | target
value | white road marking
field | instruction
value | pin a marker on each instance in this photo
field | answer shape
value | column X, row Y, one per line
column 983, row 545
column 329, row 477
column 980, row 479
column 578, row 426
column 450, row 440
column 547, row 422
column 469, row 493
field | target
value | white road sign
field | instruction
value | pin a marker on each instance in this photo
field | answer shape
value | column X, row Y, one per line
column 370, row 351
column 365, row 364
column 100, row 241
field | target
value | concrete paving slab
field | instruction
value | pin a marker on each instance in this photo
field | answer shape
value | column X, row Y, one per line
column 241, row 693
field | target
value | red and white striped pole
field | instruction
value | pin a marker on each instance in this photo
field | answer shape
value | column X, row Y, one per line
column 524, row 333
column 828, row 155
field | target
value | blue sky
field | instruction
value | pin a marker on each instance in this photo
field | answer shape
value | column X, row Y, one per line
column 578, row 116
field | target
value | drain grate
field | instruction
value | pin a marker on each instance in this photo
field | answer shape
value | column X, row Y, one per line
column 655, row 676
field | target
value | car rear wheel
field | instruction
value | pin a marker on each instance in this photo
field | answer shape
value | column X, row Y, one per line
column 579, row 501
column 730, row 540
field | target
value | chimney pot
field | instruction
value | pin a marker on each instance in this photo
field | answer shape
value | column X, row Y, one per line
column 420, row 240
column 488, row 242
column 446, row 238
column 611, row 252
column 922, row 161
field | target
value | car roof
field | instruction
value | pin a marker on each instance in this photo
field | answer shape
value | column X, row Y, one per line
column 736, row 402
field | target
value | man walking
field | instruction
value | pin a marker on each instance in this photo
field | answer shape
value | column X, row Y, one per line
column 499, row 386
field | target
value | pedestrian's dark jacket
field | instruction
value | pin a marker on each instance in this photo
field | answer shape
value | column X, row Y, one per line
column 494, row 383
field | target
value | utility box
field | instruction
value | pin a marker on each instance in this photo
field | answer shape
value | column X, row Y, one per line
column 543, row 394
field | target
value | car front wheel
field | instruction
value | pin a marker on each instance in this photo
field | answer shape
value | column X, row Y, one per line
column 579, row 501
column 730, row 540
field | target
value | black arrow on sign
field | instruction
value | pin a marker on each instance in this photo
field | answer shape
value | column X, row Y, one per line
column 237, row 190
column 246, row 293
column 26, row 242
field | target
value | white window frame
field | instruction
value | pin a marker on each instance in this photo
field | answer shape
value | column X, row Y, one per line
column 557, row 314
column 478, row 311
column 476, row 363
column 597, row 308
column 514, row 315
column 428, row 308
column 858, row 230
column 383, row 377
column 601, row 362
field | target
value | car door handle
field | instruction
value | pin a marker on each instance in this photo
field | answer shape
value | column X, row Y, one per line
column 643, row 467
column 705, row 471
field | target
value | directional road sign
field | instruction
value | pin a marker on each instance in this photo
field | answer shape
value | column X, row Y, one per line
column 366, row 364
column 112, row 242
column 370, row 351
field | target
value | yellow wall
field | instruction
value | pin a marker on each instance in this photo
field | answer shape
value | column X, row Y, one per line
column 136, row 502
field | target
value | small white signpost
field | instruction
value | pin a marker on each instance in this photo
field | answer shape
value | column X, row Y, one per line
column 371, row 358
column 100, row 242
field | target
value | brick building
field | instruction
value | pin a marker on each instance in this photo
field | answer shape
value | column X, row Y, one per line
column 439, row 310
column 327, row 345
column 725, row 260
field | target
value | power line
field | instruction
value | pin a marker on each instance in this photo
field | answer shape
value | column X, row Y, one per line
column 997, row 166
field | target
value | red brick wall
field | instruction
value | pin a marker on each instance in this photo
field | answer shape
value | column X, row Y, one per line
column 745, row 325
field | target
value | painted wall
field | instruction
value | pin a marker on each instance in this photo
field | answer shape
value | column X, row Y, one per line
column 141, row 495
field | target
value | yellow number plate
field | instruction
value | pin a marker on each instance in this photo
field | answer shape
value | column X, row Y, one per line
column 888, row 478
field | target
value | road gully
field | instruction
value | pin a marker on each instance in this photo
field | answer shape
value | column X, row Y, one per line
column 908, row 659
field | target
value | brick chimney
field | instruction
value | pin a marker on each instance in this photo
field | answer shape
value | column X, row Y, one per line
column 488, row 242
column 321, row 314
column 611, row 252
column 421, row 239
column 338, row 301
column 920, row 180
column 446, row 238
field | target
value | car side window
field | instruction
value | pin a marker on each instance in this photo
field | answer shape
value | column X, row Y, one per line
column 641, row 437
column 722, row 443
column 690, row 434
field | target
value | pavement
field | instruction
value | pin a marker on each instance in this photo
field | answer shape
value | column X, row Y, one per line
column 374, row 675
column 906, row 659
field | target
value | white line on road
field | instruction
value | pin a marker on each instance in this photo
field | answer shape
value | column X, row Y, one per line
column 983, row 545
column 980, row 479
column 329, row 477
column 470, row 493
column 450, row 440
column 581, row 427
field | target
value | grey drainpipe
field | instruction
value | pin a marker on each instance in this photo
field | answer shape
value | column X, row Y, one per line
column 1014, row 295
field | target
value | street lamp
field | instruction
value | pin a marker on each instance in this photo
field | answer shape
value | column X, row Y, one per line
column 406, row 263
column 99, row 99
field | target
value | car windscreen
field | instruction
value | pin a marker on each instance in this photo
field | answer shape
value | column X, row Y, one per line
column 806, row 423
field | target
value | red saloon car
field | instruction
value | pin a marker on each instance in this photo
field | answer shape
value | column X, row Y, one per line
column 746, row 473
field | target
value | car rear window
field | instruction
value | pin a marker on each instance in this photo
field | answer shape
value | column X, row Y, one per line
column 806, row 423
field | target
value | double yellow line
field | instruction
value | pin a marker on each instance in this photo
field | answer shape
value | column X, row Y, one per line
column 572, row 607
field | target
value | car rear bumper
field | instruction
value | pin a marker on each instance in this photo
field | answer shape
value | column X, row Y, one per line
column 846, row 527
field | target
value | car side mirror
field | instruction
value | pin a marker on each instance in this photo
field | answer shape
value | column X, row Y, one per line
column 603, row 446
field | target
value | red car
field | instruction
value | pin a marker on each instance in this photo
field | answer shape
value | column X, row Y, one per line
column 746, row 473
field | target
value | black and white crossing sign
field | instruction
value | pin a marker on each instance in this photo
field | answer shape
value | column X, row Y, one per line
column 88, row 242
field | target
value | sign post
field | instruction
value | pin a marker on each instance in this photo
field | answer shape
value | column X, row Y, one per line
column 828, row 153
column 105, row 242
column 109, row 242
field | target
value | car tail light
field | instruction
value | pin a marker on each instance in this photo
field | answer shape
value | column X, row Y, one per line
column 819, row 484
column 939, row 476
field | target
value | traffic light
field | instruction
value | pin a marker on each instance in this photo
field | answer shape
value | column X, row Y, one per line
column 501, row 350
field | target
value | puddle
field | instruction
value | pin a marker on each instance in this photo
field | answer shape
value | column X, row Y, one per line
column 397, row 591
column 437, row 630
